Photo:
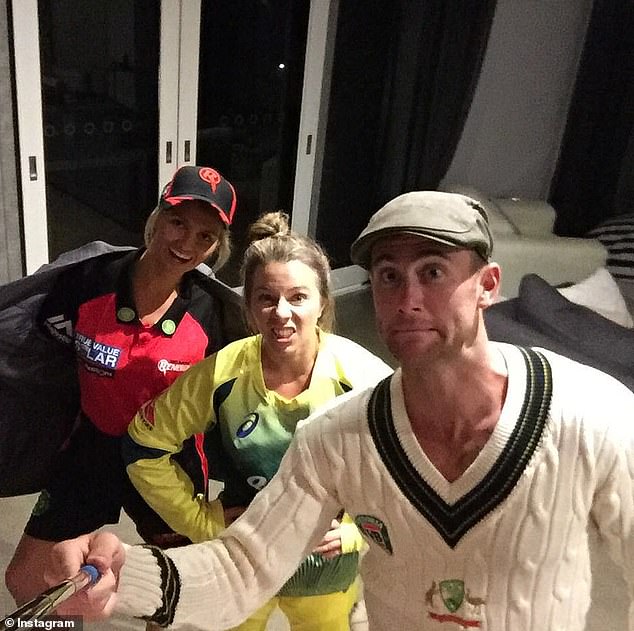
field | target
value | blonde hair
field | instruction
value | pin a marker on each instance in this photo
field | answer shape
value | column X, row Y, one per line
column 271, row 240
column 221, row 253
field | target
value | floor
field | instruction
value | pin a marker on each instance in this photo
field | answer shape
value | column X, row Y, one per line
column 15, row 512
column 608, row 613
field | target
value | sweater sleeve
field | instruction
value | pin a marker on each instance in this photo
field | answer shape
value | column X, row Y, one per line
column 613, row 504
column 221, row 582
column 156, row 433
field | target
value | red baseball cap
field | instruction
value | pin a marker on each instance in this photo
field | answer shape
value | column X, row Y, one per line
column 204, row 183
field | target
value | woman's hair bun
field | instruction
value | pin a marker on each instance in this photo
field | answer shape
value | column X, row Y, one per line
column 271, row 224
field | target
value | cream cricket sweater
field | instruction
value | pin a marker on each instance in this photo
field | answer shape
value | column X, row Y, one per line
column 443, row 556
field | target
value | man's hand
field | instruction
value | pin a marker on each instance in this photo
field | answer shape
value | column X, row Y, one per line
column 106, row 553
column 330, row 545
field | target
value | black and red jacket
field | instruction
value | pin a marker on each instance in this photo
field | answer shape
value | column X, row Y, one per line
column 39, row 385
column 121, row 362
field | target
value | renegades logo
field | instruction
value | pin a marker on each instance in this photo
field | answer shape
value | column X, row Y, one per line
column 211, row 176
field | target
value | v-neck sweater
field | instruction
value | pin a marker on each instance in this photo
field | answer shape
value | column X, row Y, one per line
column 522, row 565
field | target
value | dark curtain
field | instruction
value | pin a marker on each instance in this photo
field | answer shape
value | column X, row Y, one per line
column 593, row 180
column 433, row 69
column 403, row 78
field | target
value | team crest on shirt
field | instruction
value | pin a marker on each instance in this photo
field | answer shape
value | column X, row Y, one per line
column 375, row 530
column 449, row 601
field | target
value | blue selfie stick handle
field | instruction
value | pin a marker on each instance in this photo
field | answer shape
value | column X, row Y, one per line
column 47, row 601
column 92, row 572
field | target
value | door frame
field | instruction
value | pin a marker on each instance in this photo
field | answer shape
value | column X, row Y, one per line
column 30, row 145
column 178, row 85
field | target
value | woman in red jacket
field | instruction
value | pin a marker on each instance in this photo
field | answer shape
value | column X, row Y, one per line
column 135, row 320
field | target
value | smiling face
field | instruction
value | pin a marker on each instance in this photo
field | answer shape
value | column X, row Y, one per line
column 284, row 305
column 429, row 297
column 184, row 236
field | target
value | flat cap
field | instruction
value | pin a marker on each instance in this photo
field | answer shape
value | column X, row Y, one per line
column 448, row 218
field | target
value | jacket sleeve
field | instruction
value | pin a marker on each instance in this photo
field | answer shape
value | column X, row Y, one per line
column 157, row 432
column 58, row 313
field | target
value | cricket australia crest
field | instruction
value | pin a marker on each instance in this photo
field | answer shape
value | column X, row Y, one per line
column 449, row 601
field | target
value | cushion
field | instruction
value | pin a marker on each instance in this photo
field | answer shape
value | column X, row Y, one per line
column 600, row 293
column 541, row 316
column 617, row 235
column 531, row 217
column 498, row 222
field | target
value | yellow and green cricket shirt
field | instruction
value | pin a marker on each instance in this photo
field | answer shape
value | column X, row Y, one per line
column 248, row 430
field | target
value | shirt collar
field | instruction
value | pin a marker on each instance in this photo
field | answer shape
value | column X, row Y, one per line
column 126, row 312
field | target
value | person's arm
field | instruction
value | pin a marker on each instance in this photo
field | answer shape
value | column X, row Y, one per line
column 342, row 538
column 218, row 583
column 156, row 433
column 58, row 313
column 613, row 504
column 101, row 549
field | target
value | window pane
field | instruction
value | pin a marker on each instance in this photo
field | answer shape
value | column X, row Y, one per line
column 250, row 86
column 99, row 64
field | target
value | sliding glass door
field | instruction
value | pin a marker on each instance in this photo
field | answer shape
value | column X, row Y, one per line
column 114, row 96
column 250, row 78
column 98, row 78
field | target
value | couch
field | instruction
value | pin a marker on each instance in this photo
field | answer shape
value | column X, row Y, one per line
column 524, row 243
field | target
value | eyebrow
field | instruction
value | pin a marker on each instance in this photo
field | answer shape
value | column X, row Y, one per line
column 269, row 288
column 424, row 252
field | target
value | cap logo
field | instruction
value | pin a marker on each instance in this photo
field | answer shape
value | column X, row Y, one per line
column 211, row 176
column 204, row 184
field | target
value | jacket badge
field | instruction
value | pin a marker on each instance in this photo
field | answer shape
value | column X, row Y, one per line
column 375, row 530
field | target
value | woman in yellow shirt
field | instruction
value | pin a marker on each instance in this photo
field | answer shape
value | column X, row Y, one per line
column 249, row 398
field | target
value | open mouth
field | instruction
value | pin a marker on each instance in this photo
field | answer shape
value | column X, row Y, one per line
column 284, row 334
column 181, row 258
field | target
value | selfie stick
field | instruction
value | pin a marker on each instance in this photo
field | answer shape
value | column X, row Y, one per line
column 48, row 600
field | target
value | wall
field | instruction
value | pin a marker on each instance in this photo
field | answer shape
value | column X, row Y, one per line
column 510, row 143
